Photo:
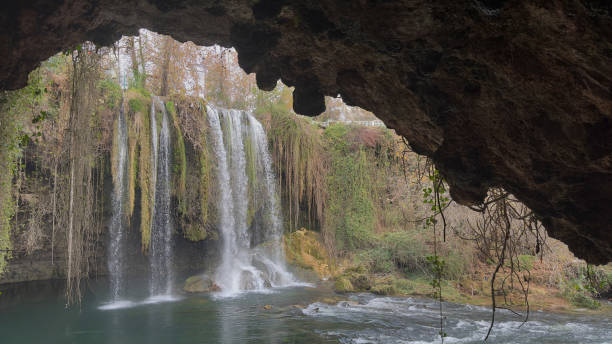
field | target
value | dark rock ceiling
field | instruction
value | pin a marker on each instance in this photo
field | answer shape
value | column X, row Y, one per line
column 499, row 93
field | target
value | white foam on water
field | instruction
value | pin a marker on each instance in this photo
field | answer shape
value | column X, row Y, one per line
column 120, row 304
column 415, row 321
column 161, row 299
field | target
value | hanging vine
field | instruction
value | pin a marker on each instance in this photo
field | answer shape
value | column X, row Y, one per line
column 83, row 215
column 506, row 231
column 434, row 196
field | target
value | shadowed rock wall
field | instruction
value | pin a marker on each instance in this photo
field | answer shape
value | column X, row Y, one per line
column 499, row 93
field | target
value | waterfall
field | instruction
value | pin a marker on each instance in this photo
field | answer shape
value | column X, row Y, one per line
column 117, row 224
column 160, row 251
column 279, row 276
column 245, row 265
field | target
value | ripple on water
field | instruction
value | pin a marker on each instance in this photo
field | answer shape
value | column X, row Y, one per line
column 370, row 319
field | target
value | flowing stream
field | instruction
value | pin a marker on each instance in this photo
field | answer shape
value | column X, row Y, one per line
column 160, row 251
column 251, row 258
column 117, row 224
column 298, row 315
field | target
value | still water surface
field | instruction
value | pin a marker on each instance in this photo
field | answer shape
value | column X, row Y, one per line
column 36, row 314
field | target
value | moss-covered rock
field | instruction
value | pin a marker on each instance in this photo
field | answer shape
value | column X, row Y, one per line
column 198, row 284
column 343, row 285
column 304, row 248
column 384, row 289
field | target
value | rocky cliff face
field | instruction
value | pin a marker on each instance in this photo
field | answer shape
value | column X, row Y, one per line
column 499, row 93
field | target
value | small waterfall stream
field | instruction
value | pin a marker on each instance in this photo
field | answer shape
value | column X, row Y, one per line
column 160, row 251
column 117, row 224
column 245, row 266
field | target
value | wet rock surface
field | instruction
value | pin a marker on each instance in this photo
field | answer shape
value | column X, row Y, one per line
column 498, row 93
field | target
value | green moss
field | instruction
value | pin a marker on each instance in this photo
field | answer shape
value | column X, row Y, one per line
column 251, row 171
column 204, row 181
column 350, row 210
column 179, row 161
column 579, row 299
column 343, row 285
column 111, row 94
column 132, row 169
column 114, row 151
column 384, row 289
column 300, row 156
column 526, row 261
column 16, row 108
column 145, row 179
column 304, row 248
column 195, row 233
column 136, row 105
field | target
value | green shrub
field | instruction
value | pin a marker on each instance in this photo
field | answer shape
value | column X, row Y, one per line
column 407, row 251
column 526, row 261
column 579, row 299
column 136, row 105
column 111, row 93
column 343, row 285
column 350, row 210
column 455, row 264
column 384, row 289
column 403, row 285
column 376, row 260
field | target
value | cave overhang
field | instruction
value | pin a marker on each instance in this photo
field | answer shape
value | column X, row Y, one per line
column 515, row 94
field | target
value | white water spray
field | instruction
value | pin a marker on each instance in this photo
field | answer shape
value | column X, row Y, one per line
column 117, row 225
column 160, row 251
column 244, row 267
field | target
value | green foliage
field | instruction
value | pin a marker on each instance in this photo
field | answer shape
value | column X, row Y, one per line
column 179, row 161
column 145, row 175
column 137, row 81
column 111, row 94
column 456, row 262
column 194, row 232
column 190, row 181
column 204, row 180
column 352, row 280
column 300, row 158
column 136, row 105
column 580, row 299
column 406, row 248
column 377, row 260
column 16, row 108
column 251, row 171
column 583, row 282
column 349, row 211
column 526, row 261
column 343, row 284
column 384, row 289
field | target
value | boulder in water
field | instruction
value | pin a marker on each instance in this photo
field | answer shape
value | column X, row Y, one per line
column 199, row 284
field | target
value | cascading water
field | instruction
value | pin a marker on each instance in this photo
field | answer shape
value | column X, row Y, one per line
column 274, row 257
column 117, row 225
column 160, row 251
column 244, row 267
